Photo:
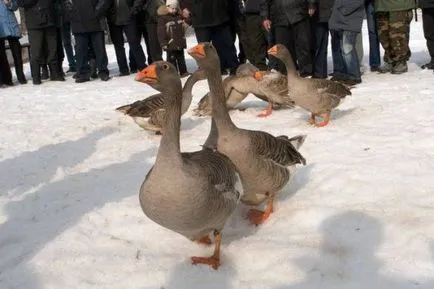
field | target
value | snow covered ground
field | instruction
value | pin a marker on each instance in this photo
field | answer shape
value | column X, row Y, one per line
column 360, row 214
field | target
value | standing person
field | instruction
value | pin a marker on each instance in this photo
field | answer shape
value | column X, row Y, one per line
column 10, row 30
column 290, row 19
column 41, row 21
column 171, row 35
column 87, row 23
column 345, row 24
column 154, row 47
column 394, row 18
column 321, row 39
column 141, row 32
column 210, row 20
column 256, row 37
column 5, row 70
column 122, row 19
column 374, row 43
column 67, row 40
column 427, row 7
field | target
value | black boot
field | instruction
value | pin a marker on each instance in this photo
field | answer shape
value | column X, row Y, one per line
column 92, row 64
column 44, row 74
column 15, row 46
column 54, row 73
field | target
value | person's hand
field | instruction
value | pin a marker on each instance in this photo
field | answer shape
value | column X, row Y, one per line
column 267, row 24
column 171, row 10
column 311, row 11
column 185, row 13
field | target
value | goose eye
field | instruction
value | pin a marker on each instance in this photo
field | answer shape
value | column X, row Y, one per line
column 165, row 66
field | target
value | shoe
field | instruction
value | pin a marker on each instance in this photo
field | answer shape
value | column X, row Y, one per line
column 22, row 79
column 124, row 73
column 36, row 81
column 400, row 67
column 104, row 77
column 350, row 82
column 429, row 65
column 387, row 67
column 81, row 79
column 44, row 72
column 336, row 78
column 375, row 68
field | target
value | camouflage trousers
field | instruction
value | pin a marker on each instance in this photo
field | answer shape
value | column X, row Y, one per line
column 393, row 33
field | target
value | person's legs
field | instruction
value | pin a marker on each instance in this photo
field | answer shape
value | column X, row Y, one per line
column 117, row 37
column 321, row 47
column 374, row 44
column 338, row 62
column 16, row 49
column 222, row 40
column 350, row 57
column 135, row 47
column 98, row 45
column 398, row 35
column 67, row 45
column 303, row 46
column 81, row 53
column 5, row 70
column 428, row 31
column 36, row 41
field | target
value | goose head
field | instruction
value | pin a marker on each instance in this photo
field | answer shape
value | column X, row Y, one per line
column 160, row 75
column 279, row 51
column 206, row 55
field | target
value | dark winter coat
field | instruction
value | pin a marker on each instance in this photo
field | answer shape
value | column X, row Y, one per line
column 347, row 15
column 426, row 4
column 122, row 12
column 39, row 13
column 170, row 30
column 208, row 13
column 150, row 8
column 324, row 10
column 87, row 15
column 252, row 6
column 286, row 12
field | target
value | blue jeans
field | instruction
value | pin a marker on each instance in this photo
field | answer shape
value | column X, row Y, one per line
column 345, row 59
column 374, row 44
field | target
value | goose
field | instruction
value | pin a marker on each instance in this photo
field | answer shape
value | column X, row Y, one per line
column 264, row 162
column 319, row 96
column 150, row 112
column 190, row 193
column 238, row 86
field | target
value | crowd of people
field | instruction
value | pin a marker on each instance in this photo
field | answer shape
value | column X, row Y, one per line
column 303, row 26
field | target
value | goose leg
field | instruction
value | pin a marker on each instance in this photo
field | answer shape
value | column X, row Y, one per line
column 205, row 240
column 325, row 121
column 258, row 217
column 214, row 260
column 267, row 111
column 312, row 119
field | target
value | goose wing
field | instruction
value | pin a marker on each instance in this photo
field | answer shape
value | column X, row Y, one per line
column 220, row 171
column 279, row 150
column 143, row 108
column 329, row 87
column 157, row 117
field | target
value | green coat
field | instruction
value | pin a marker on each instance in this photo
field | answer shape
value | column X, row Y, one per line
column 394, row 5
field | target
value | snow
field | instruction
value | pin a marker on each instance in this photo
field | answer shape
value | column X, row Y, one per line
column 358, row 215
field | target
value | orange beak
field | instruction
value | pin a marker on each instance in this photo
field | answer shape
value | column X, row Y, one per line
column 273, row 50
column 198, row 51
column 258, row 75
column 148, row 75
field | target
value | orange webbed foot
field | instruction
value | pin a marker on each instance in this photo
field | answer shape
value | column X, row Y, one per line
column 268, row 111
column 257, row 217
column 211, row 261
column 325, row 121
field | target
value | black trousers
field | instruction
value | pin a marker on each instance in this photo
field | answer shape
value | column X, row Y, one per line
column 96, row 39
column 154, row 46
column 16, row 49
column 222, row 39
column 117, row 36
column 428, row 29
column 177, row 58
column 256, row 43
column 39, row 40
column 320, row 51
column 297, row 38
column 5, row 70
column 141, row 32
